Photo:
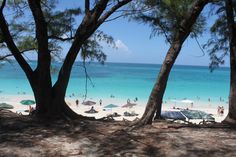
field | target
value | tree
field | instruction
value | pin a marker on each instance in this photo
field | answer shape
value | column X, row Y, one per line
column 222, row 43
column 184, row 22
column 231, row 117
column 50, row 98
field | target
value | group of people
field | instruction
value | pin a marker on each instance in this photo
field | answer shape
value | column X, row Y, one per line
column 220, row 110
column 100, row 101
column 135, row 100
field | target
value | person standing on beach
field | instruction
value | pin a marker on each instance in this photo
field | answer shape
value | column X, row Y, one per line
column 191, row 104
column 77, row 102
column 100, row 102
column 128, row 101
column 222, row 111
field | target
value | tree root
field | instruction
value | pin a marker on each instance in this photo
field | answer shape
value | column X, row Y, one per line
column 229, row 121
column 63, row 113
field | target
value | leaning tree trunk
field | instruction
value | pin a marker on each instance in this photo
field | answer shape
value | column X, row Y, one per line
column 153, row 108
column 155, row 99
column 231, row 117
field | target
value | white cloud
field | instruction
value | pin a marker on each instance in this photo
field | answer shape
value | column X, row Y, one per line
column 121, row 46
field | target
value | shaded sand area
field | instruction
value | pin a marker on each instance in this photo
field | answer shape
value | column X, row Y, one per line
column 21, row 136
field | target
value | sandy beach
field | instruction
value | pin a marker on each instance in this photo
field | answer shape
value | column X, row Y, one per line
column 209, row 107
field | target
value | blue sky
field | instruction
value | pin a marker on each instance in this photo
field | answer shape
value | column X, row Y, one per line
column 138, row 47
column 135, row 46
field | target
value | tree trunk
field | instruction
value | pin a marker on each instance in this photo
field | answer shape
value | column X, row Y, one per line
column 155, row 99
column 52, row 106
column 153, row 108
column 50, row 99
column 231, row 117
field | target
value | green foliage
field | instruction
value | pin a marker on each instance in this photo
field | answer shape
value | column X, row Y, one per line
column 27, row 43
column 62, row 25
column 218, row 45
column 165, row 16
column 91, row 48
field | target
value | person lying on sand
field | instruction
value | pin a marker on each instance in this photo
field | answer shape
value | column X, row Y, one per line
column 92, row 110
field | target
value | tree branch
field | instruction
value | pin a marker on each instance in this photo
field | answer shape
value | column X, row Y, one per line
column 44, row 58
column 5, row 56
column 42, row 71
column 9, row 55
column 117, row 17
column 98, row 9
column 87, row 77
column 112, row 10
column 199, row 45
column 88, row 26
column 87, row 6
column 12, row 46
column 3, row 5
column 128, row 12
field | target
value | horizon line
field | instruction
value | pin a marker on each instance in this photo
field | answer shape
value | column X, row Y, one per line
column 222, row 66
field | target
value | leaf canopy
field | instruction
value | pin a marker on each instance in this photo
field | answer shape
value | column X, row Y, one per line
column 61, row 25
column 218, row 45
column 165, row 16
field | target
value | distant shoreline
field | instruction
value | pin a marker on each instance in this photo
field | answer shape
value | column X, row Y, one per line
column 138, row 63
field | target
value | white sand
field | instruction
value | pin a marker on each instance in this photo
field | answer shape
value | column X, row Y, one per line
column 208, row 107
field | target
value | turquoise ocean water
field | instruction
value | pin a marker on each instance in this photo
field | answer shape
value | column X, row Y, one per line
column 124, row 80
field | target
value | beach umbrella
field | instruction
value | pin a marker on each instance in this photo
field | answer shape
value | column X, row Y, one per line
column 27, row 102
column 130, row 105
column 5, row 106
column 89, row 103
column 111, row 106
